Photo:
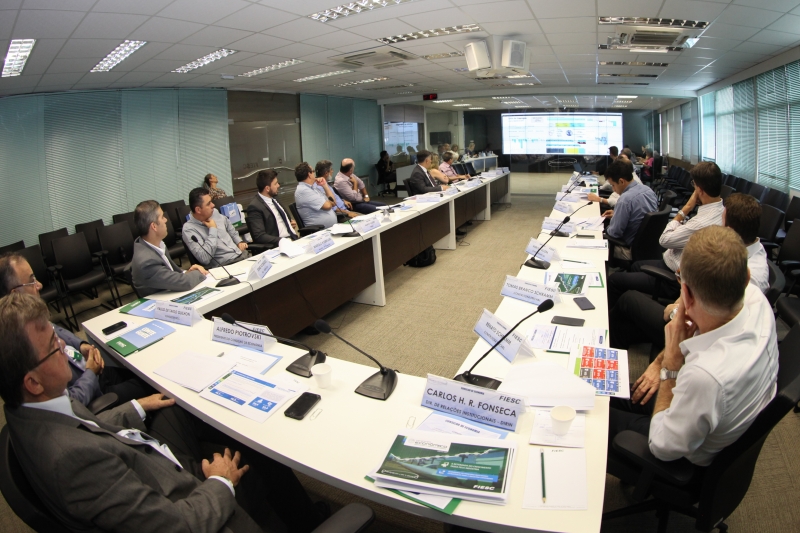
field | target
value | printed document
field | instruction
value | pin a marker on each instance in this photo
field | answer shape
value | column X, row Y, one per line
column 249, row 395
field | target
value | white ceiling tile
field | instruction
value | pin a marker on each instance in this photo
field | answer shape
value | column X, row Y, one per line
column 776, row 37
column 787, row 23
column 216, row 36
column 39, row 24
column 628, row 8
column 108, row 25
column 692, row 10
column 7, row 18
column 259, row 43
column 60, row 66
column 337, row 38
column 774, row 5
column 570, row 25
column 513, row 27
column 714, row 43
column 399, row 12
column 66, row 5
column 257, row 61
column 160, row 65
column 139, row 7
column 102, row 77
column 547, row 9
column 748, row 16
column 515, row 10
column 758, row 48
column 9, row 85
column 300, row 29
column 202, row 11
column 297, row 50
column 570, row 38
column 319, row 57
column 719, row 29
column 256, row 18
column 301, row 7
column 44, row 51
column 60, row 80
column 165, row 30
column 57, row 87
column 443, row 17
column 570, row 49
column 88, row 48
column 185, row 52
column 10, row 4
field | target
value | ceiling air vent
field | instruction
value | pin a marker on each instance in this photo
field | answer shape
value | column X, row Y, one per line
column 380, row 57
column 652, row 35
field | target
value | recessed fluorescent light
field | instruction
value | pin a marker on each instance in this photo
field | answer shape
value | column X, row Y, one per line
column 354, row 8
column 359, row 82
column 205, row 60
column 476, row 108
column 642, row 21
column 276, row 66
column 406, row 92
column 18, row 52
column 443, row 56
column 327, row 74
column 436, row 32
column 648, row 50
column 631, row 64
column 461, row 105
column 518, row 106
column 119, row 54
column 626, row 97
column 524, row 84
column 442, row 101
column 627, row 75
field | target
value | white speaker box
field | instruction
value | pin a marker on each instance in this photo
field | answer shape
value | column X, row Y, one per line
column 513, row 54
column 477, row 55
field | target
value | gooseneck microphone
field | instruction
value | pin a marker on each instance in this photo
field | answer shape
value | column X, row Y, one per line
column 227, row 282
column 378, row 386
column 491, row 383
column 556, row 232
column 302, row 366
column 544, row 265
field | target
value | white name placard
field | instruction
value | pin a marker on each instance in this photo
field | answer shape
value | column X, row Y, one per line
column 429, row 198
column 547, row 253
column 176, row 313
column 529, row 291
column 321, row 241
column 564, row 207
column 260, row 268
column 550, row 224
column 232, row 334
column 365, row 224
column 487, row 406
column 569, row 198
column 491, row 329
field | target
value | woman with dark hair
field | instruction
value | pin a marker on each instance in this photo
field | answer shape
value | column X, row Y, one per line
column 386, row 172
column 210, row 183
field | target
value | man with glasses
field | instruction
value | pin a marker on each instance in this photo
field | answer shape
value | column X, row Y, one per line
column 90, row 379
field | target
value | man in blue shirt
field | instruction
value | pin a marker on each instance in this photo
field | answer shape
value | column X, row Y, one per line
column 314, row 200
column 635, row 201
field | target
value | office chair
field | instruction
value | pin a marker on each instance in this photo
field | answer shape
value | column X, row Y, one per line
column 45, row 240
column 667, row 197
column 645, row 244
column 174, row 245
column 89, row 230
column 678, row 486
column 118, row 244
column 170, row 210
column 13, row 247
column 51, row 291
column 792, row 212
column 777, row 199
column 757, row 191
column 777, row 282
column 771, row 222
column 725, row 191
column 127, row 217
column 302, row 228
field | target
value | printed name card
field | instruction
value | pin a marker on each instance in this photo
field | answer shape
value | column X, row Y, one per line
column 550, row 224
column 491, row 329
column 571, row 198
column 238, row 336
column 260, row 268
column 529, row 291
column 321, row 241
column 564, row 207
column 429, row 198
column 364, row 224
column 545, row 253
column 487, row 406
column 451, row 191
column 184, row 314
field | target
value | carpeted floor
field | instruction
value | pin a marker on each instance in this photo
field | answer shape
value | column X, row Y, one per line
column 426, row 326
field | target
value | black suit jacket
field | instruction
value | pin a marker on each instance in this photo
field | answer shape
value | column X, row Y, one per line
column 420, row 182
column 262, row 224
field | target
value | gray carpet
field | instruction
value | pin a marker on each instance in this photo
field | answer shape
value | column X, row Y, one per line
column 426, row 326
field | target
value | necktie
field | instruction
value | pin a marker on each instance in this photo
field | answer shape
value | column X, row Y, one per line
column 285, row 220
column 430, row 180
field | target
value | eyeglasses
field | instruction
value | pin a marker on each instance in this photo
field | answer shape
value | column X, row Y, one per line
column 61, row 348
column 31, row 284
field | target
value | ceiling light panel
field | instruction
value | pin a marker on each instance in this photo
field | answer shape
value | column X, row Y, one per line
column 476, row 108
column 461, row 105
column 326, row 75
column 390, row 87
column 442, row 101
column 626, row 96
column 118, row 55
column 205, row 60
column 359, row 82
column 627, row 75
column 276, row 66
column 444, row 56
column 18, row 52
column 354, row 8
column 643, row 21
column 631, row 64
column 436, row 32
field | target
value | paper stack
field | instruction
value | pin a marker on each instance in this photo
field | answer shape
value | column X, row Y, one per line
column 547, row 384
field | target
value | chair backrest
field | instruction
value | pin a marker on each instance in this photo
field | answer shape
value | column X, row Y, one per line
column 411, row 191
column 459, row 168
column 757, row 191
column 171, row 237
column 72, row 253
column 741, row 185
column 127, row 217
column 89, row 230
column 793, row 211
column 666, row 198
column 727, row 478
column 645, row 244
column 777, row 199
column 470, row 168
column 182, row 211
column 771, row 222
column 33, row 254
column 790, row 247
column 45, row 240
column 725, row 191
column 117, row 240
column 18, row 492
column 171, row 212
column 777, row 282
column 225, row 200
column 729, row 180
column 658, row 162
column 296, row 215
column 13, row 247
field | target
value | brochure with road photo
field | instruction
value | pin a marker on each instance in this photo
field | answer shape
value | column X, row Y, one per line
column 569, row 283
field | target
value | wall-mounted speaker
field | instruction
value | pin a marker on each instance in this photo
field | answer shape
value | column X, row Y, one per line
column 513, row 55
column 477, row 55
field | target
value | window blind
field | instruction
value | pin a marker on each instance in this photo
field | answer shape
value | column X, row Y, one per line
column 708, row 125
column 792, row 74
column 723, row 103
column 744, row 118
column 773, row 135
column 686, row 131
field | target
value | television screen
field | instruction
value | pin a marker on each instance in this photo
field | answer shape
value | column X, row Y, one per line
column 439, row 137
column 400, row 134
column 561, row 133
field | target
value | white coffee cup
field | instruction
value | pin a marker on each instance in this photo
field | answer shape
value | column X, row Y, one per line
column 322, row 373
column 561, row 418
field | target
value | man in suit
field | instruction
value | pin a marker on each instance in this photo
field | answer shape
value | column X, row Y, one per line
column 104, row 473
column 152, row 268
column 266, row 218
column 421, row 181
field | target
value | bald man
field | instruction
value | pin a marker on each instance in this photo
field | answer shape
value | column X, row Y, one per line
column 351, row 188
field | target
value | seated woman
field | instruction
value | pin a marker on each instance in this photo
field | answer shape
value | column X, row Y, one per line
column 210, row 183
column 437, row 174
column 386, row 172
column 648, row 163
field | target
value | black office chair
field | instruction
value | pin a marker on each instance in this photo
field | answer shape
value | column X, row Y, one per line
column 45, row 240
column 89, row 230
column 777, row 199
column 118, row 243
column 777, row 282
column 667, row 197
column 711, row 497
column 470, row 168
column 51, row 291
column 127, row 217
column 177, row 250
column 729, row 180
column 182, row 211
column 725, row 192
column 788, row 309
column 645, row 244
column 13, row 247
column 757, row 191
column 771, row 222
column 742, row 185
column 792, row 212
column 302, row 228
column 170, row 210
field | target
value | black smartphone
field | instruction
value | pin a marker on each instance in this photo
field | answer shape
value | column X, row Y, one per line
column 583, row 303
column 567, row 321
column 114, row 327
column 581, row 236
column 302, row 406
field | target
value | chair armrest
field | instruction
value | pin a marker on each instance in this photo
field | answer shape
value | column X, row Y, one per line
column 106, row 401
column 257, row 248
column 786, row 265
column 769, row 246
column 635, row 447
column 659, row 273
column 308, row 230
column 615, row 241
column 351, row 518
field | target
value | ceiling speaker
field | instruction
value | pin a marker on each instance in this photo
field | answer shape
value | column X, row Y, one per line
column 477, row 55
column 513, row 54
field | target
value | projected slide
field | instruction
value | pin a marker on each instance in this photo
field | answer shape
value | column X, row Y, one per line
column 561, row 133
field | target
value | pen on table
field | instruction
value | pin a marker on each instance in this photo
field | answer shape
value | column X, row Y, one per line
column 573, row 261
column 544, row 490
column 220, row 354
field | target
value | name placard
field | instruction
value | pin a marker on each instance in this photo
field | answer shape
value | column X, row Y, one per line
column 571, row 197
column 232, row 334
column 487, row 406
column 260, row 268
column 547, row 253
column 450, row 191
column 429, row 198
column 363, row 225
column 491, row 329
column 321, row 241
column 550, row 224
column 529, row 291
column 184, row 314
column 564, row 207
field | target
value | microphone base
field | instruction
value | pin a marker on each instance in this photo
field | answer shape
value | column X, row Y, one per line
column 302, row 365
column 351, row 234
column 536, row 263
column 228, row 282
column 555, row 233
column 379, row 386
column 478, row 381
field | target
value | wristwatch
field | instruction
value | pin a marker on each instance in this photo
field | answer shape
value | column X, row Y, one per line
column 668, row 374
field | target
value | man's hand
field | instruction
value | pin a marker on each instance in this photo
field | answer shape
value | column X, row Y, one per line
column 445, row 187
column 210, row 223
column 608, row 214
column 354, row 181
column 348, row 204
column 225, row 466
column 592, row 197
column 294, row 225
column 647, row 385
column 154, row 402
column 351, row 214
column 94, row 361
column 690, row 204
column 242, row 246
column 676, row 331
column 199, row 268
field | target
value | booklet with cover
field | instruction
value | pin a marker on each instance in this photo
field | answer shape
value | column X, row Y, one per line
column 142, row 307
column 141, row 337
column 567, row 283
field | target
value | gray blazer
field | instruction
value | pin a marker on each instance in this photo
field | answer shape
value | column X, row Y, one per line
column 151, row 275
column 94, row 480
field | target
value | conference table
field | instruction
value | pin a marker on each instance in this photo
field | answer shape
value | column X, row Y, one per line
column 346, row 435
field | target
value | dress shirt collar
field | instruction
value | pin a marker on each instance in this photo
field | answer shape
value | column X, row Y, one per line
column 423, row 168
column 267, row 199
column 754, row 248
column 711, row 207
column 161, row 248
column 60, row 405
column 703, row 341
column 630, row 187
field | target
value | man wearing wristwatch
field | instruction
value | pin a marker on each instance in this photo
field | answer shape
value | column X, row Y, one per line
column 719, row 367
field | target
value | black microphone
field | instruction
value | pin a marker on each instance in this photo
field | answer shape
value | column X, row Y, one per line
column 491, row 383
column 544, row 265
column 379, row 385
column 302, row 366
column 556, row 233
column 569, row 189
column 230, row 280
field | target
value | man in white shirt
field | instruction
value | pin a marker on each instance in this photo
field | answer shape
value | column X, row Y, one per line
column 719, row 367
column 267, row 220
column 707, row 180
